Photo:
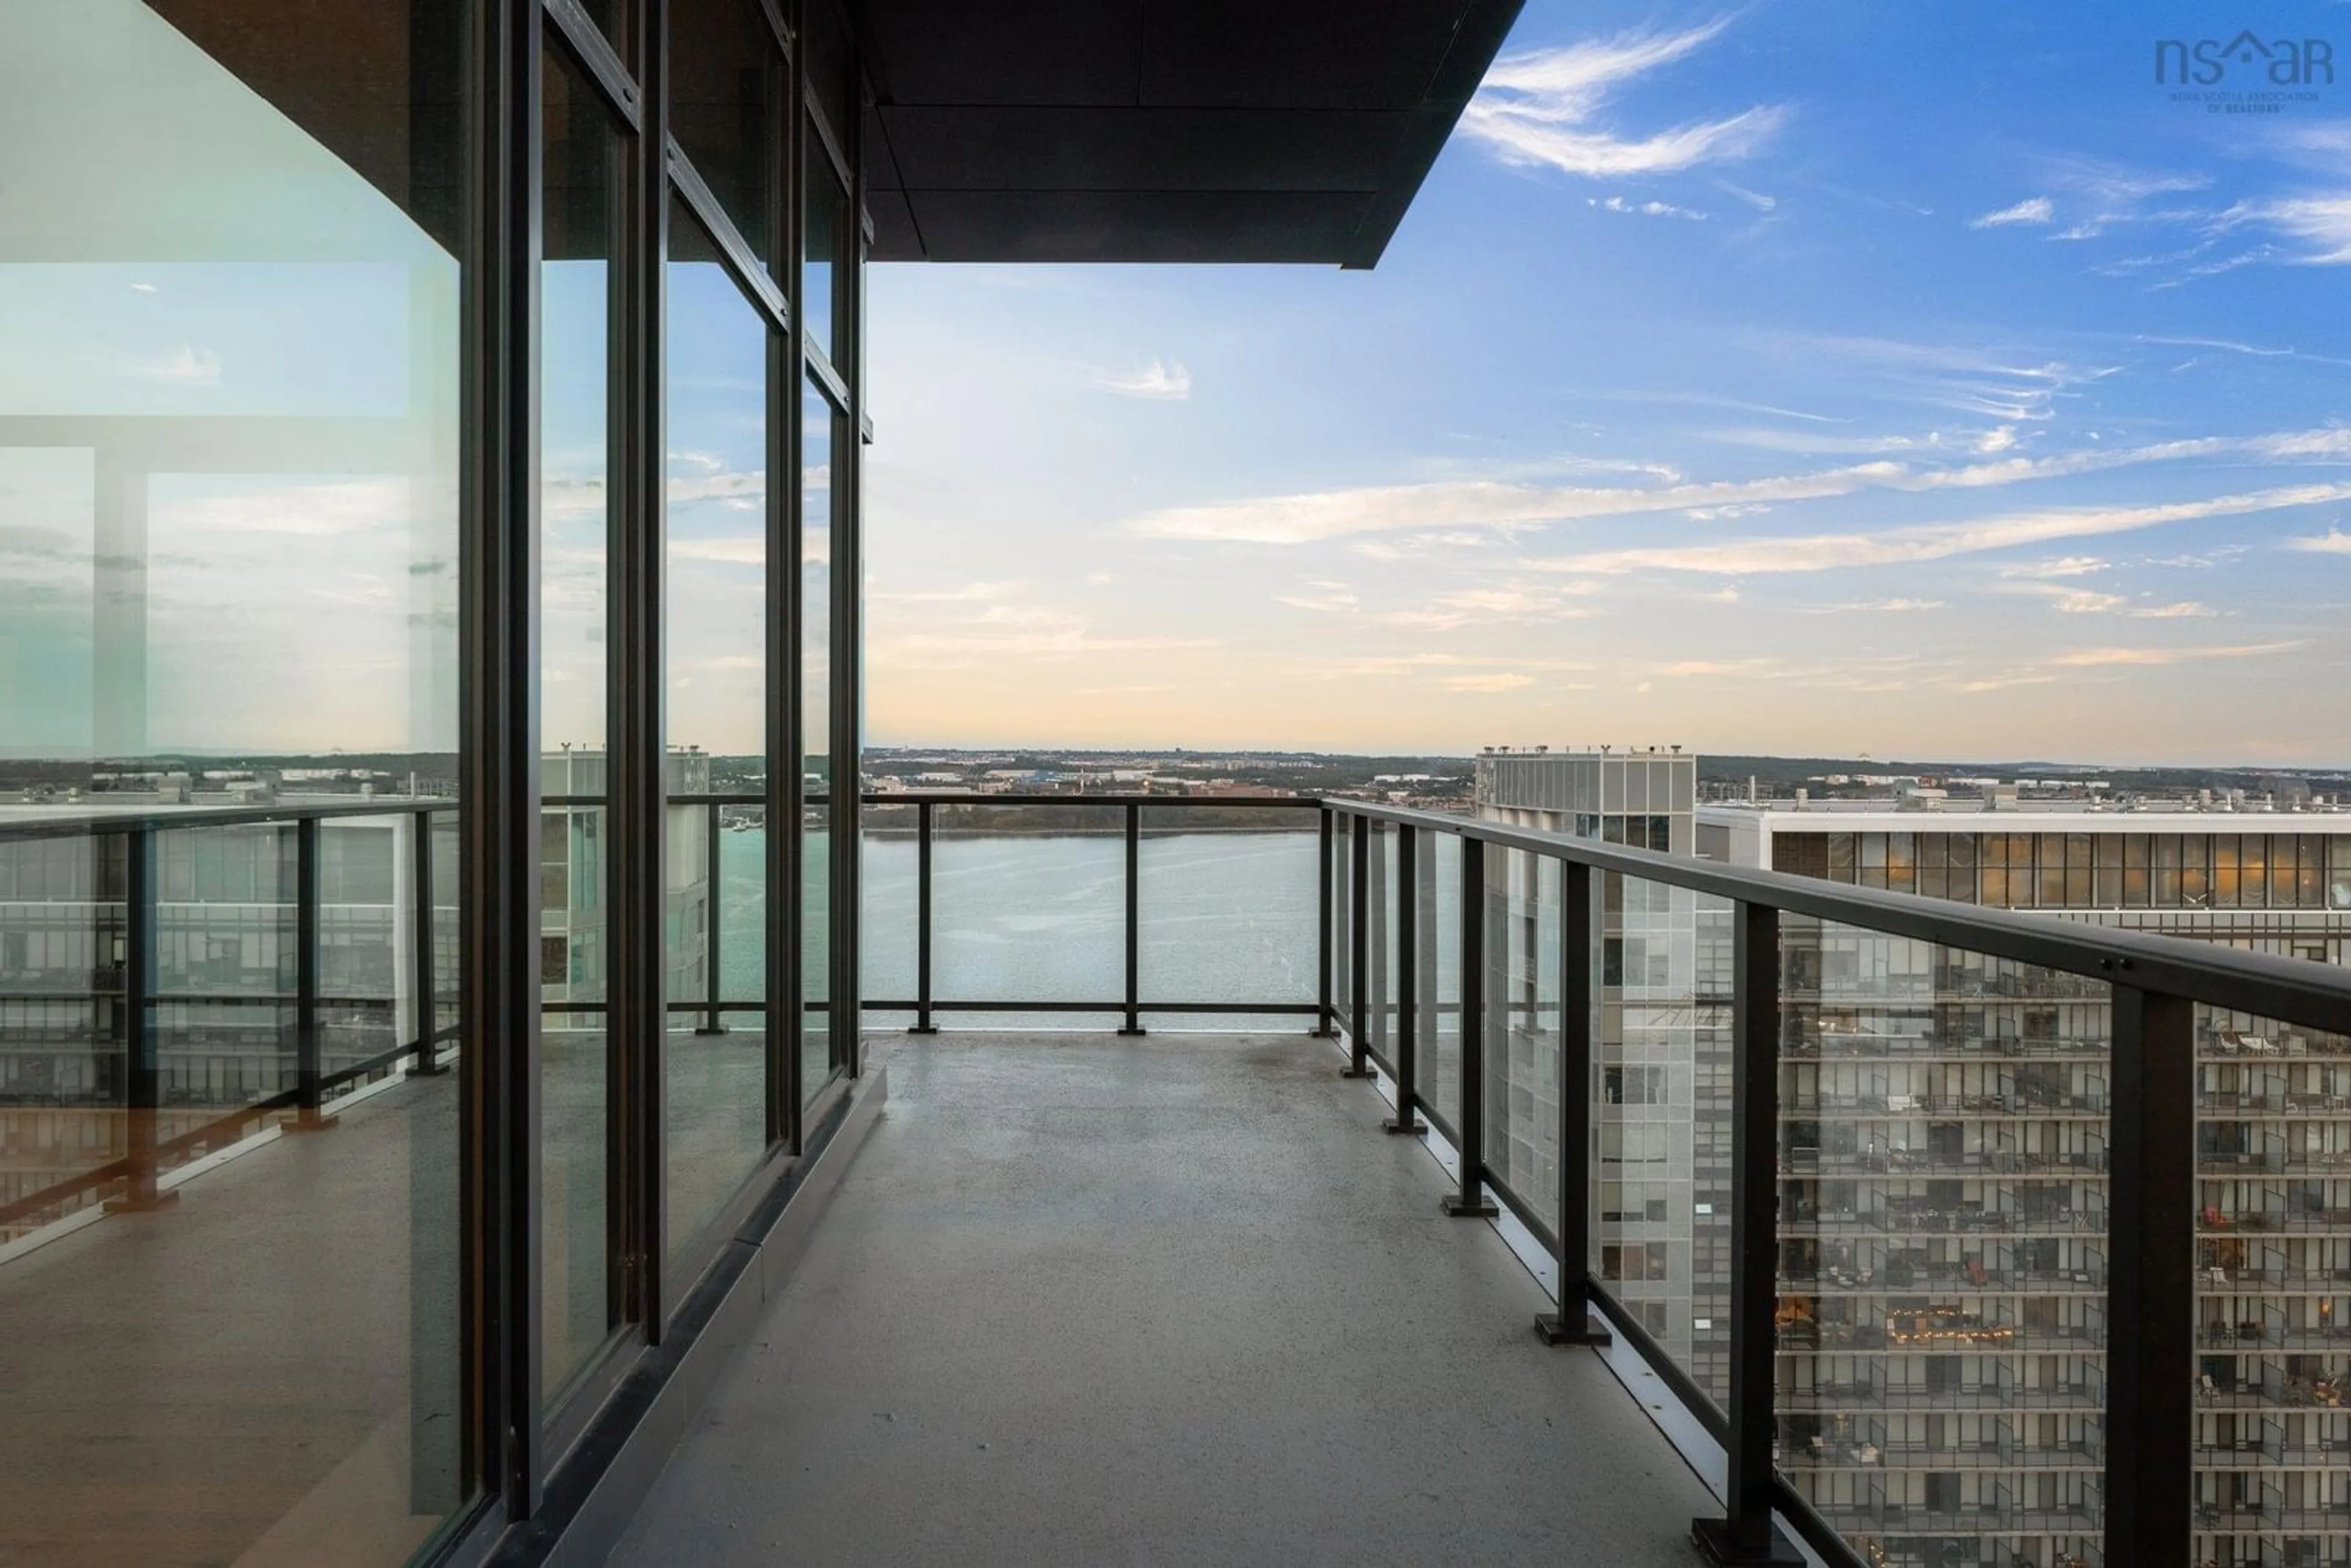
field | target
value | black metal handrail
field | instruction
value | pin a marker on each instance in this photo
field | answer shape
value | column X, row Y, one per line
column 2155, row 982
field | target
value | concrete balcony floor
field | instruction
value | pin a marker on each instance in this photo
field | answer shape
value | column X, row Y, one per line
column 1082, row 1299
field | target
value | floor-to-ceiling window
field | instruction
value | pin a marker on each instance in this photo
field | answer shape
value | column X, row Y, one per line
column 233, row 254
column 392, row 589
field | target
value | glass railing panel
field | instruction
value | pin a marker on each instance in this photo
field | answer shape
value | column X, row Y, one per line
column 2273, row 1288
column 1943, row 1276
column 1436, row 942
column 1226, row 912
column 1523, row 1025
column 61, row 1037
column 1029, row 904
column 1338, row 895
column 1659, row 1098
column 890, row 907
column 1380, row 939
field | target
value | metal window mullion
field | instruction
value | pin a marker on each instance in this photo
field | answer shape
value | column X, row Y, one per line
column 498, row 769
column 585, row 42
column 847, row 458
column 637, row 1015
column 735, row 253
column 787, row 756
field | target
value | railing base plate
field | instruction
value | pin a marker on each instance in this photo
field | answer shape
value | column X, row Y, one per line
column 1712, row 1538
column 923, row 1028
column 1461, row 1208
column 438, row 1070
column 1357, row 1072
column 1135, row 1033
column 307, row 1122
column 142, row 1203
column 1405, row 1124
column 711, row 1029
column 1558, row 1328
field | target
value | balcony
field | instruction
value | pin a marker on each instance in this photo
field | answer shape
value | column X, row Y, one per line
column 1185, row 1269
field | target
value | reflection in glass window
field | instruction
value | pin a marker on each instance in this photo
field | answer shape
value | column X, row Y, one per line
column 716, row 1092
column 817, row 423
column 578, row 222
column 229, row 531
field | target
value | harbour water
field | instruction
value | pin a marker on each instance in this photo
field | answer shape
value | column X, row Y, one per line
column 1224, row 917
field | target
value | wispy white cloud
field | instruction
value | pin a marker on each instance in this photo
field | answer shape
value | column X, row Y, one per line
column 1652, row 209
column 2031, row 210
column 1328, row 515
column 2063, row 566
column 1938, row 542
column 1501, row 680
column 2185, row 610
column 1541, row 109
column 2333, row 541
column 1157, row 380
column 2099, row 658
column 2320, row 223
column 1876, row 607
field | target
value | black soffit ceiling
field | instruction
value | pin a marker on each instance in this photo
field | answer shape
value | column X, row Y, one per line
column 1162, row 130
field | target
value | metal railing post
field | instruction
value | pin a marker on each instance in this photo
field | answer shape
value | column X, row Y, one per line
column 307, row 1043
column 2150, row 1278
column 427, row 1062
column 1326, row 1021
column 1573, row 1323
column 711, row 901
column 142, row 1077
column 1746, row 1533
column 922, row 1024
column 1359, row 945
column 1407, row 957
column 1471, row 1202
column 1134, row 920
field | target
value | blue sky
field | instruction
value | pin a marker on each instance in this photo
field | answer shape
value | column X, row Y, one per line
column 1824, row 378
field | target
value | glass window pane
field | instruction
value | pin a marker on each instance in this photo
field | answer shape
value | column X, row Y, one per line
column 716, row 668
column 825, row 248
column 816, row 436
column 229, row 308
column 578, row 283
column 726, row 73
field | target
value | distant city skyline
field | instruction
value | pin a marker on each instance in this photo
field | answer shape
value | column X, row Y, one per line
column 1819, row 379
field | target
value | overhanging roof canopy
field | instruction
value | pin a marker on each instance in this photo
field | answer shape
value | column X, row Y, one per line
column 1064, row 131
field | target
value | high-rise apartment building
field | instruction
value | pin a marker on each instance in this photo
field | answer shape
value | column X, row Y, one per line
column 1943, row 1198
column 1941, row 1324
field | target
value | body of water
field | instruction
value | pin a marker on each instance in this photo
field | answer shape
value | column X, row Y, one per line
column 1224, row 917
